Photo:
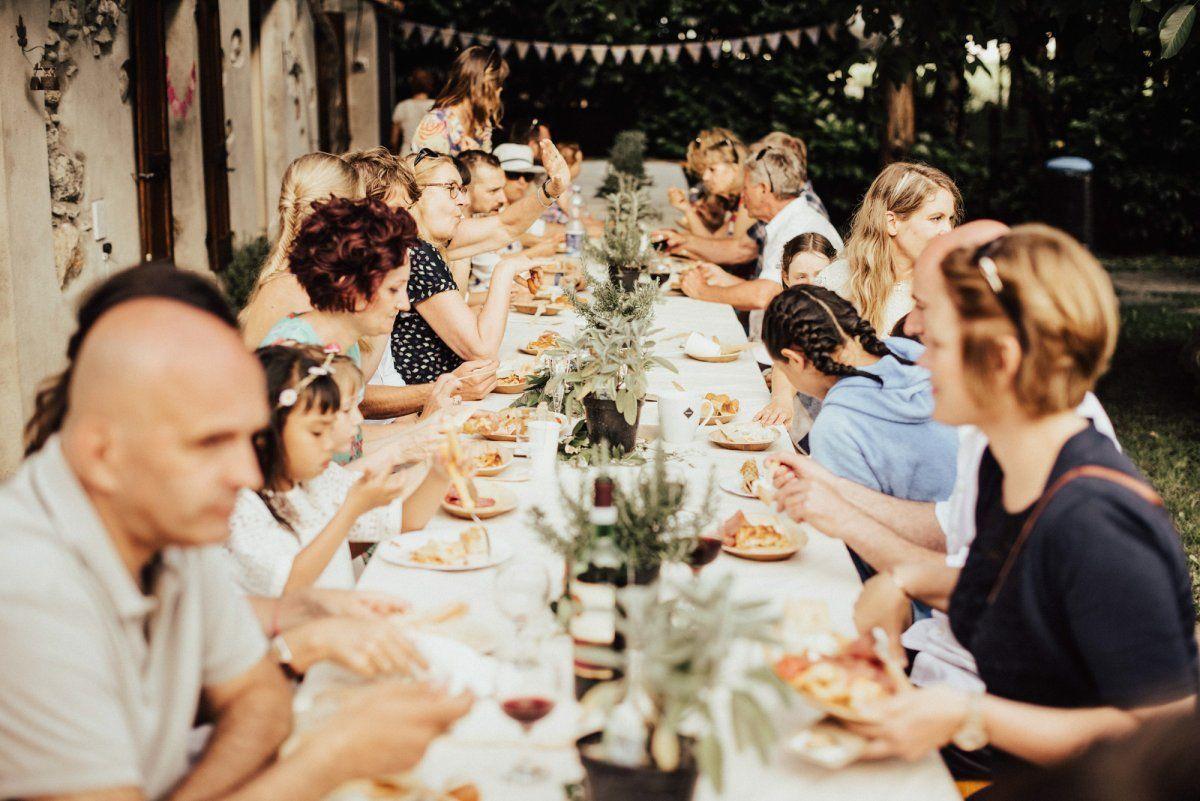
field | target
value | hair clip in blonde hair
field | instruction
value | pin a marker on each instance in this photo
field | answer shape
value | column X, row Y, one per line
column 991, row 273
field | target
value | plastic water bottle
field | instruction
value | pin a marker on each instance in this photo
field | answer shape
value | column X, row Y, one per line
column 574, row 231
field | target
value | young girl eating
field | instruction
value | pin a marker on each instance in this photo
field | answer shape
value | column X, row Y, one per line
column 293, row 533
column 875, row 426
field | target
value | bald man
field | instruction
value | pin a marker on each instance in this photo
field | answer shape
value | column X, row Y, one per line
column 118, row 619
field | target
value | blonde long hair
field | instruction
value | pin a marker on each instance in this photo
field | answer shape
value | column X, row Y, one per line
column 901, row 188
column 314, row 176
column 476, row 77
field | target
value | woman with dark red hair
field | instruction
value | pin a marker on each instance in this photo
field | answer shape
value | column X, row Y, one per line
column 352, row 258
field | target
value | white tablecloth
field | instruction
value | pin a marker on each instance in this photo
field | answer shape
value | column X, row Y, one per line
column 484, row 744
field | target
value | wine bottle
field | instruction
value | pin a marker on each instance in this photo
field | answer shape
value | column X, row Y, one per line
column 594, row 593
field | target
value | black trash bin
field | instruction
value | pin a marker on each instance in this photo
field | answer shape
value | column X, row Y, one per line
column 1068, row 197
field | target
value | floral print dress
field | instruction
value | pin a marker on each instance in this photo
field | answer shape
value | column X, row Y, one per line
column 442, row 130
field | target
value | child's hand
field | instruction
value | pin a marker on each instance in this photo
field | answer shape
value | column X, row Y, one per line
column 375, row 489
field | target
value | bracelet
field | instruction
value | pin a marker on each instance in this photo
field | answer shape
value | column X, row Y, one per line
column 549, row 198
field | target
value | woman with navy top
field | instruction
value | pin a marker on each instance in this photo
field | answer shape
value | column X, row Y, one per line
column 1075, row 600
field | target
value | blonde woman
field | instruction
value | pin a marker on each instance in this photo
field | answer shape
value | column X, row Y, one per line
column 715, row 157
column 468, row 107
column 1074, row 599
column 906, row 206
column 312, row 177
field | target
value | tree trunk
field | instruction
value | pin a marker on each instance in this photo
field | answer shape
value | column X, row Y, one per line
column 901, row 131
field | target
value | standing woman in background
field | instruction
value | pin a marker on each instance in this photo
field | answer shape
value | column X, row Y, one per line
column 409, row 112
column 468, row 107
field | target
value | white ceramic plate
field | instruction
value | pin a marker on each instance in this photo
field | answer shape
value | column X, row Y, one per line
column 398, row 551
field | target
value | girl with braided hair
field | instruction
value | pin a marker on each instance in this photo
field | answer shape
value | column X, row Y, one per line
column 875, row 426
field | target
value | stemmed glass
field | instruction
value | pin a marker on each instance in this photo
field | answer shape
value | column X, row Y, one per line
column 522, row 590
column 527, row 689
column 704, row 552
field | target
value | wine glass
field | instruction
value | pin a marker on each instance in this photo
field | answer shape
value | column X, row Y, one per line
column 527, row 689
column 522, row 590
column 706, row 549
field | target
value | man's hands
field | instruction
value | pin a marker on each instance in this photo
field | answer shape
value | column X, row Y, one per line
column 675, row 240
column 351, row 603
column 385, row 728
column 693, row 283
column 807, row 492
column 446, row 392
column 557, row 170
column 368, row 646
column 477, row 378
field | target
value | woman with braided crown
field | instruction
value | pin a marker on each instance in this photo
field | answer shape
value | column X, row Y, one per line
column 312, row 177
column 875, row 426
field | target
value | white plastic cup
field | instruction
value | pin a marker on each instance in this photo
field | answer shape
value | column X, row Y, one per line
column 676, row 424
column 543, row 447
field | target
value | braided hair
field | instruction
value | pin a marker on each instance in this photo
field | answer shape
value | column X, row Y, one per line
column 818, row 323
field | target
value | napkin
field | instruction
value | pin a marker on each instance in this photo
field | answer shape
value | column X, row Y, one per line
column 699, row 345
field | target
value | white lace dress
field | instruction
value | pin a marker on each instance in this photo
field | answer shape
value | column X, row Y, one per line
column 263, row 549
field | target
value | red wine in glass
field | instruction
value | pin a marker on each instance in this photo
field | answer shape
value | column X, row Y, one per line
column 528, row 709
column 707, row 549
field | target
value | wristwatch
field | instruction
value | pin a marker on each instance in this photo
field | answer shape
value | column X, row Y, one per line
column 972, row 734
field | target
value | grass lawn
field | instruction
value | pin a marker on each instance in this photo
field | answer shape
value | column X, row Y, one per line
column 1154, row 403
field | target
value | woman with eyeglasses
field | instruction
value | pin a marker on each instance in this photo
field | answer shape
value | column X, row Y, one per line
column 468, row 108
column 1074, row 599
column 441, row 331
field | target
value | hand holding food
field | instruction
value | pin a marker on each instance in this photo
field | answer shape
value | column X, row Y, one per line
column 477, row 378
column 912, row 723
column 678, row 198
column 374, row 489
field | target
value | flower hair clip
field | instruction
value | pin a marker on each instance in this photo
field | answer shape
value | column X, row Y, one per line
column 288, row 397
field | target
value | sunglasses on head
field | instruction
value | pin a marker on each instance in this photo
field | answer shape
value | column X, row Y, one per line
column 425, row 153
column 766, row 167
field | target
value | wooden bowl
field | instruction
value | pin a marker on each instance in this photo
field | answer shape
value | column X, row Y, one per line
column 720, row 418
column 506, row 458
column 724, row 358
column 718, row 438
column 505, row 503
column 548, row 309
column 510, row 389
column 780, row 555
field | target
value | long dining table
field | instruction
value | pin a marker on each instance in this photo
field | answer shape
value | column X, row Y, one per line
column 486, row 743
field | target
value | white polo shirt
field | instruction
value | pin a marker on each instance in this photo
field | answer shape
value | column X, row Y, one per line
column 99, row 684
column 794, row 219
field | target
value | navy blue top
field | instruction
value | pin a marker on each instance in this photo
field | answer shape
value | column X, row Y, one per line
column 420, row 354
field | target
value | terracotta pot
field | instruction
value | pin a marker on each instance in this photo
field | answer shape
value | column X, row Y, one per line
column 606, row 423
column 609, row 782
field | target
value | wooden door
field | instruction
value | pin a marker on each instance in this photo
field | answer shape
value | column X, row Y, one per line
column 152, row 148
column 333, row 121
column 219, row 237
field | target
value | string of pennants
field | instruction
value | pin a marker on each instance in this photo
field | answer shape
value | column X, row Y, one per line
column 578, row 52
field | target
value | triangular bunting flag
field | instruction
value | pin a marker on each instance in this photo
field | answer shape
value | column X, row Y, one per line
column 813, row 34
column 714, row 50
column 579, row 52
column 598, row 52
column 408, row 28
column 832, row 30
column 447, row 36
column 656, row 52
column 502, row 45
column 772, row 40
column 465, row 39
column 618, row 53
column 426, row 32
column 754, row 43
column 737, row 45
column 637, row 53
column 522, row 47
column 793, row 36
column 694, row 49
column 673, row 52
column 559, row 50
column 540, row 48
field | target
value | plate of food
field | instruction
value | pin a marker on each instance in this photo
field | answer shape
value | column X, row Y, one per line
column 761, row 537
column 482, row 498
column 827, row 744
column 490, row 460
column 547, row 340
column 717, row 408
column 445, row 551
column 540, row 308
column 507, row 424
column 753, row 480
column 844, row 684
column 513, row 380
column 747, row 436
column 710, row 349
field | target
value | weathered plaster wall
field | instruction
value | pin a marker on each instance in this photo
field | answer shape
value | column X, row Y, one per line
column 362, row 83
column 246, row 207
column 183, row 126
column 96, row 129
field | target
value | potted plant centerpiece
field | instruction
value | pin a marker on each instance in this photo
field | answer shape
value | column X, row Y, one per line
column 624, row 246
column 609, row 377
column 660, row 725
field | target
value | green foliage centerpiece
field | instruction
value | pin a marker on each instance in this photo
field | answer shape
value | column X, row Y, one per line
column 627, row 158
column 661, row 724
column 624, row 248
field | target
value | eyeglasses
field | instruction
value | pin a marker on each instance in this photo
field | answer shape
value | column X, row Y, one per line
column 454, row 189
